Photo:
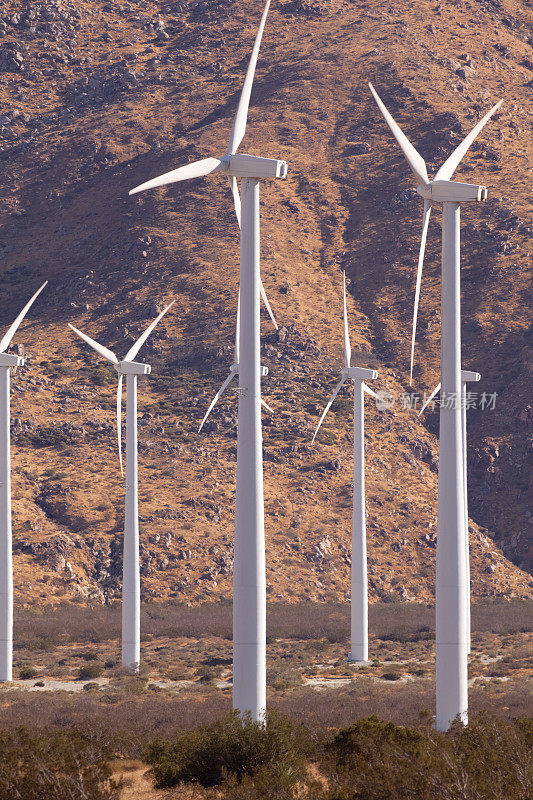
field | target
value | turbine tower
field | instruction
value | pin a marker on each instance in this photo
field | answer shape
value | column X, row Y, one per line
column 249, row 574
column 7, row 362
column 359, row 580
column 131, row 587
column 451, row 624
column 466, row 377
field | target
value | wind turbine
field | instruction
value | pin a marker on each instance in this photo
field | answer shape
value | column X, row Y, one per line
column 131, row 589
column 249, row 574
column 359, row 580
column 233, row 370
column 7, row 362
column 466, row 377
column 451, row 617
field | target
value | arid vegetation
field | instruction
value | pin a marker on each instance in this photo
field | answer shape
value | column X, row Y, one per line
column 234, row 759
column 175, row 716
column 55, row 765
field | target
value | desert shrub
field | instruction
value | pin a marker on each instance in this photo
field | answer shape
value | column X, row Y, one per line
column 54, row 765
column 89, row 671
column 281, row 677
column 374, row 760
column 391, row 676
column 27, row 672
column 406, row 633
column 88, row 655
column 229, row 749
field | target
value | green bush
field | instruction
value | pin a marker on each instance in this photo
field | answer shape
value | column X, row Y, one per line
column 27, row 672
column 89, row 672
column 230, row 749
column 376, row 760
column 54, row 765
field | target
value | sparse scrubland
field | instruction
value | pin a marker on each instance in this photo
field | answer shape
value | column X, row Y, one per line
column 335, row 730
column 235, row 759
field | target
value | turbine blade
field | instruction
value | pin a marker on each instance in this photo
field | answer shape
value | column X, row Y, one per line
column 239, row 123
column 218, row 396
column 8, row 335
column 195, row 170
column 236, row 197
column 347, row 345
column 267, row 306
column 425, row 224
column 119, row 422
column 237, row 203
column 132, row 352
column 327, row 408
column 103, row 351
column 369, row 391
column 416, row 162
column 266, row 406
column 452, row 162
column 435, row 391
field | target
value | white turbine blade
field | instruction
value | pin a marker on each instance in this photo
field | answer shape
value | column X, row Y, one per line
column 8, row 335
column 132, row 352
column 416, row 162
column 239, row 123
column 435, row 391
column 236, row 197
column 451, row 163
column 265, row 405
column 119, row 422
column 327, row 408
column 425, row 224
column 267, row 305
column 347, row 345
column 218, row 395
column 237, row 204
column 370, row 391
column 103, row 351
column 195, row 170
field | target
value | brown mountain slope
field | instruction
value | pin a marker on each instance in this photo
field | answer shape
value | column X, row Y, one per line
column 106, row 100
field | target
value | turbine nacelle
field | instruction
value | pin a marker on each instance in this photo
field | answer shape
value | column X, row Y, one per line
column 359, row 373
column 235, row 368
column 242, row 165
column 470, row 377
column 452, row 192
column 10, row 360
column 133, row 368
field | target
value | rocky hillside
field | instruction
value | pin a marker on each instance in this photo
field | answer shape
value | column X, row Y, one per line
column 99, row 96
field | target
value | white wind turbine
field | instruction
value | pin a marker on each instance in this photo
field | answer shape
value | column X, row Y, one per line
column 233, row 370
column 359, row 579
column 249, row 574
column 451, row 616
column 7, row 362
column 466, row 377
column 131, row 588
